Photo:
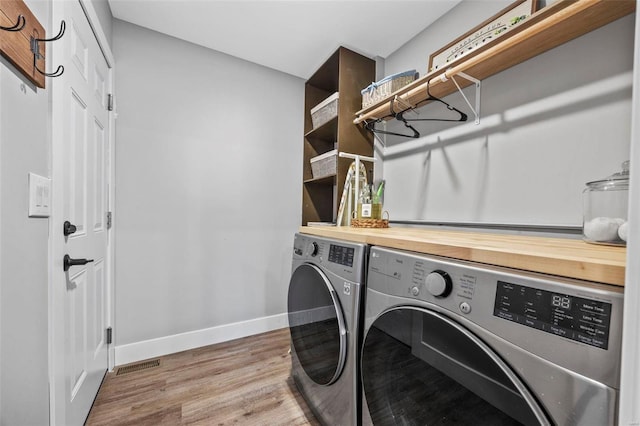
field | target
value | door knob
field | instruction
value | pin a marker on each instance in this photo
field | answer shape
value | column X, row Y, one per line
column 68, row 228
column 68, row 262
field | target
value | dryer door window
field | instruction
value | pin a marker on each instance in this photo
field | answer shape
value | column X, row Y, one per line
column 419, row 367
column 318, row 331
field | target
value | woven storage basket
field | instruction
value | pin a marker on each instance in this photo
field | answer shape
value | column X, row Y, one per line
column 371, row 223
column 381, row 89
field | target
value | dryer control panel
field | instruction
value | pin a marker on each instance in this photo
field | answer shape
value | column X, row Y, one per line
column 341, row 255
column 345, row 259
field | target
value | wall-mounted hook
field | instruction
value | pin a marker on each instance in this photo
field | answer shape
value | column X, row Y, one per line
column 35, row 48
column 18, row 25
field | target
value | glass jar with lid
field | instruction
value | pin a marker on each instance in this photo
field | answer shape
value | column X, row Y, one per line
column 605, row 206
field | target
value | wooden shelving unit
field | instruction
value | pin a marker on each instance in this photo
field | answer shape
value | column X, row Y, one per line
column 345, row 72
column 551, row 26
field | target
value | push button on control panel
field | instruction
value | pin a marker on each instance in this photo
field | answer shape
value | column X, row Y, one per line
column 465, row 307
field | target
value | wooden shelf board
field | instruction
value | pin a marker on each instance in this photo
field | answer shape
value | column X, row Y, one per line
column 328, row 131
column 322, row 181
column 548, row 28
column 555, row 256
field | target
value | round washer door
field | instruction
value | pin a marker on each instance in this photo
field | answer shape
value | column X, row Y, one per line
column 421, row 368
column 316, row 322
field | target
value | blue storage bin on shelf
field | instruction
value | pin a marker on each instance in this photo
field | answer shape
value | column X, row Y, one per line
column 383, row 88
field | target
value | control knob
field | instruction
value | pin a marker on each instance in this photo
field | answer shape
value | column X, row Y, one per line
column 312, row 249
column 439, row 283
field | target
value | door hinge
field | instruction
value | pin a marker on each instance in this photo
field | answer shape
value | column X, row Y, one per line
column 109, row 220
column 109, row 102
column 109, row 336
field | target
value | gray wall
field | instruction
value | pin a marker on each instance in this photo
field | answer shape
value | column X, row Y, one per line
column 24, row 148
column 547, row 126
column 208, row 186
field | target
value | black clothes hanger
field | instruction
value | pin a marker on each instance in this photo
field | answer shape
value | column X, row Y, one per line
column 430, row 97
column 370, row 125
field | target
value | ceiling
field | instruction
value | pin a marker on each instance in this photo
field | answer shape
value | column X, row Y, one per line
column 294, row 37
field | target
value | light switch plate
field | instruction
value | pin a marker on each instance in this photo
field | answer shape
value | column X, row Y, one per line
column 39, row 196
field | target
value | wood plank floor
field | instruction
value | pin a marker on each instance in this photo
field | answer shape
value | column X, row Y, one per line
column 245, row 381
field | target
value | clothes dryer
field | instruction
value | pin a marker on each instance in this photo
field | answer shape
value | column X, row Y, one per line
column 450, row 342
column 324, row 303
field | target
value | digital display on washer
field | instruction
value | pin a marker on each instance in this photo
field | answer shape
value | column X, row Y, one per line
column 341, row 255
column 573, row 317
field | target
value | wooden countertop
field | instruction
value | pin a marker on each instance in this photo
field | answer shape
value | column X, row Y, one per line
column 555, row 256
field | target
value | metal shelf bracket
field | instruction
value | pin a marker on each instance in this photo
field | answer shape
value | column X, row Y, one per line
column 478, row 85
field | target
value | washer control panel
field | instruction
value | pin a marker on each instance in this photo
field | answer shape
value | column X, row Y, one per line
column 505, row 299
column 576, row 318
column 575, row 324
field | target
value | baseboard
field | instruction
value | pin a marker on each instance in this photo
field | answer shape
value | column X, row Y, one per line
column 133, row 352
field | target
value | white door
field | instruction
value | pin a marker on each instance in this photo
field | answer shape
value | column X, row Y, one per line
column 80, row 158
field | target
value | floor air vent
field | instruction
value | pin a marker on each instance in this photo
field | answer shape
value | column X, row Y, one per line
column 137, row 367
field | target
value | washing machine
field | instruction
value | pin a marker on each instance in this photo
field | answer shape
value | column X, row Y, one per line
column 324, row 309
column 449, row 342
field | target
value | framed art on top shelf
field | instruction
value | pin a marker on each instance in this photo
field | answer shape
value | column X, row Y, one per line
column 489, row 30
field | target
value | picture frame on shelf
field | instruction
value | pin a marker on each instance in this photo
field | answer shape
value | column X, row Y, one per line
column 481, row 35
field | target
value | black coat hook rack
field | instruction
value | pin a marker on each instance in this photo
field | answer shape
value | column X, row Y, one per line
column 19, row 25
column 35, row 49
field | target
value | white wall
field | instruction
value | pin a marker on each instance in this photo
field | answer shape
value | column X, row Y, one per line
column 547, row 126
column 24, row 148
column 208, row 191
